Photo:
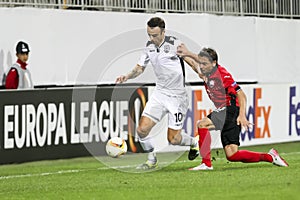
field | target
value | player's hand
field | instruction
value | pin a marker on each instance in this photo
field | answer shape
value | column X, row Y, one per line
column 245, row 124
column 121, row 79
column 182, row 50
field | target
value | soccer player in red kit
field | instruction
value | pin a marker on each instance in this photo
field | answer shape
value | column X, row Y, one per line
column 230, row 113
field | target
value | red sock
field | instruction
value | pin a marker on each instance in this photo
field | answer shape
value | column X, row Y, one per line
column 204, row 145
column 250, row 157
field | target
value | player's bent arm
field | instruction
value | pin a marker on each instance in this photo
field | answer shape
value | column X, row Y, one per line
column 135, row 72
column 192, row 63
column 195, row 66
column 242, row 102
column 183, row 51
column 242, row 120
column 190, row 58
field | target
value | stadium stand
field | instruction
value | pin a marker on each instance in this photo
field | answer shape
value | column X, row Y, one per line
column 260, row 8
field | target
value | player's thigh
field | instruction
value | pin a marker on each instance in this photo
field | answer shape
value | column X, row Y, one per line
column 230, row 134
column 177, row 108
column 218, row 118
column 154, row 108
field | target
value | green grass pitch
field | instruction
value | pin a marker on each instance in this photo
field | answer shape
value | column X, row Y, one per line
column 88, row 178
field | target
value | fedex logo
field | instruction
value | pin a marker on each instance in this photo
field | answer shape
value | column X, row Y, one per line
column 294, row 112
column 259, row 115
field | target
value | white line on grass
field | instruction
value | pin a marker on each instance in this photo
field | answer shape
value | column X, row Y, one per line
column 100, row 168
column 77, row 171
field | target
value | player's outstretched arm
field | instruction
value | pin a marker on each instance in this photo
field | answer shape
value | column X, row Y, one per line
column 184, row 52
column 190, row 58
column 242, row 120
column 137, row 70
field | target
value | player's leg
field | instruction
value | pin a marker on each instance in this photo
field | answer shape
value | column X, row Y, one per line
column 214, row 121
column 179, row 137
column 143, row 130
column 177, row 107
column 153, row 113
column 235, row 155
column 230, row 136
column 204, row 143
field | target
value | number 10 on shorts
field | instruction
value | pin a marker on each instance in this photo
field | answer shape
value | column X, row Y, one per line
column 178, row 117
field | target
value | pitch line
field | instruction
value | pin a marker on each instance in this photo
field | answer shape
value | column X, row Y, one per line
column 77, row 171
column 96, row 169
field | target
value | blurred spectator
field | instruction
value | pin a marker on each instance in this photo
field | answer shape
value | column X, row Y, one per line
column 18, row 76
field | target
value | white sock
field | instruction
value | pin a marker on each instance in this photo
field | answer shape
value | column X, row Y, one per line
column 146, row 144
column 152, row 157
column 187, row 140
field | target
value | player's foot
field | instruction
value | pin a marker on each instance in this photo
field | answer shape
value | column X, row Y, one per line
column 193, row 153
column 194, row 150
column 203, row 166
column 148, row 165
column 277, row 160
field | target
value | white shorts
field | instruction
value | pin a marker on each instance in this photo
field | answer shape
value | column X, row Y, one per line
column 161, row 104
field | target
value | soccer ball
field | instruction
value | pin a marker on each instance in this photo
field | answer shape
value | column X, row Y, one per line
column 115, row 147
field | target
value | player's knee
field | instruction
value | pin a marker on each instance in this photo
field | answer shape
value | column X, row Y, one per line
column 202, row 123
column 142, row 131
column 232, row 153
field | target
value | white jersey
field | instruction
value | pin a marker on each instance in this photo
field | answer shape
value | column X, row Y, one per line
column 166, row 64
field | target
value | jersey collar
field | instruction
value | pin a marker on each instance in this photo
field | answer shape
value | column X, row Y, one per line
column 162, row 42
column 22, row 64
column 214, row 69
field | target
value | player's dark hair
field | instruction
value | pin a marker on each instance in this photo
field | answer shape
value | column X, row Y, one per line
column 210, row 53
column 156, row 21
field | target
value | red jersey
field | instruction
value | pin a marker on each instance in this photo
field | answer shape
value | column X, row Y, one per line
column 221, row 88
column 12, row 78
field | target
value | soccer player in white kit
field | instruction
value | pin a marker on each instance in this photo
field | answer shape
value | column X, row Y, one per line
column 168, row 98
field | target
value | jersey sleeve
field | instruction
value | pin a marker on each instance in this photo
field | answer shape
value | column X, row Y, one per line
column 144, row 58
column 12, row 79
column 177, row 42
column 234, row 88
column 230, row 84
